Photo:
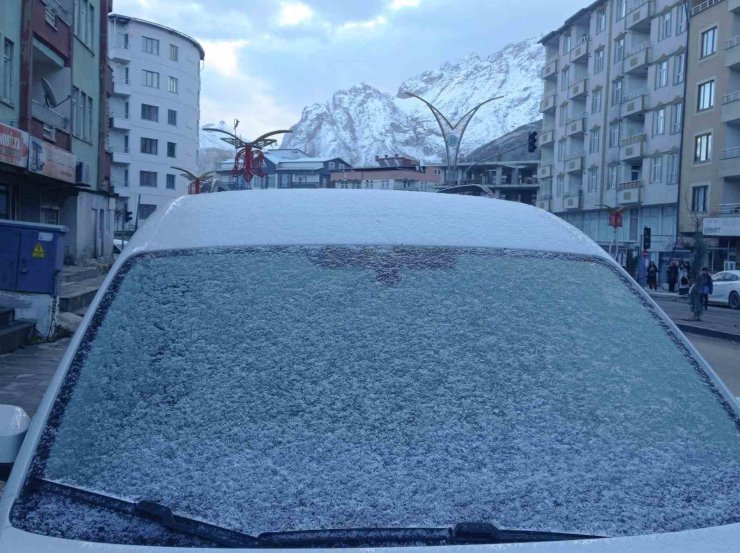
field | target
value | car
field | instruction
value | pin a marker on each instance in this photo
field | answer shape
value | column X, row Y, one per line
column 726, row 289
column 311, row 369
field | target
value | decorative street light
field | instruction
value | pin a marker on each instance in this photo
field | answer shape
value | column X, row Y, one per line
column 451, row 134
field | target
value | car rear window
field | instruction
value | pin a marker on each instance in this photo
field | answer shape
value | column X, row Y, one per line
column 270, row 389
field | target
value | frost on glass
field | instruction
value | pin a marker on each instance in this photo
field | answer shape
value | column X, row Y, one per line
column 305, row 388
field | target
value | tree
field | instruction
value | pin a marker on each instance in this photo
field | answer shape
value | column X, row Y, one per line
column 699, row 250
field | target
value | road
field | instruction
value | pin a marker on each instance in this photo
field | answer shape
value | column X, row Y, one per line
column 723, row 356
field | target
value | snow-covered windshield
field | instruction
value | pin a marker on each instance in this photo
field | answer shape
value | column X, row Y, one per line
column 312, row 388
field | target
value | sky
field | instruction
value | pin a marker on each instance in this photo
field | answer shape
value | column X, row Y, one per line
column 268, row 59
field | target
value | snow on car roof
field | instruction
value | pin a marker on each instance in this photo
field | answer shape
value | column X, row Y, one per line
column 355, row 217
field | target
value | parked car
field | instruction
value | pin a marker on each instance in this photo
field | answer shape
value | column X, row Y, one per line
column 354, row 368
column 726, row 289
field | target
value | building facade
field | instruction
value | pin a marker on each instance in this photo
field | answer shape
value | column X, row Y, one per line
column 710, row 192
column 52, row 149
column 390, row 173
column 612, row 121
column 154, row 115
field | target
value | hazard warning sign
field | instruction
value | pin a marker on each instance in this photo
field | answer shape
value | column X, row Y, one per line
column 38, row 251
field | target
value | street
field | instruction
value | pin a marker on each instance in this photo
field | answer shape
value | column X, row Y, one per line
column 723, row 356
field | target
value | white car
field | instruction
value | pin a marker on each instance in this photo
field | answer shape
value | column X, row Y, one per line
column 726, row 289
column 365, row 369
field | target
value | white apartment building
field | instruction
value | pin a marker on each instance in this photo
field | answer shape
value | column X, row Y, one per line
column 154, row 112
column 612, row 121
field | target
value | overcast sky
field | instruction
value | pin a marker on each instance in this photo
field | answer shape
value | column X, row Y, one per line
column 267, row 59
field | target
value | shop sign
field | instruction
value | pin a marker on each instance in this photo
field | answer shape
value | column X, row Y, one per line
column 48, row 160
column 13, row 146
column 722, row 226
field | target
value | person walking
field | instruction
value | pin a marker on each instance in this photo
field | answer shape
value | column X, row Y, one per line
column 683, row 280
column 695, row 300
column 672, row 276
column 652, row 276
column 707, row 286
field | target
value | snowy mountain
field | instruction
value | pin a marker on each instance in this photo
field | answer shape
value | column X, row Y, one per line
column 362, row 122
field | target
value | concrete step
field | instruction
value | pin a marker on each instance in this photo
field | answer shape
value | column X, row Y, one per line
column 71, row 273
column 7, row 315
column 15, row 335
column 75, row 296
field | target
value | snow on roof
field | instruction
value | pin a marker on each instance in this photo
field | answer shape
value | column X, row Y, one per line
column 369, row 217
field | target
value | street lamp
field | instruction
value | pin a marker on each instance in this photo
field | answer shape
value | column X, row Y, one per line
column 615, row 221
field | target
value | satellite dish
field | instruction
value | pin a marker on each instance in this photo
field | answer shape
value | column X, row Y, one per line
column 51, row 100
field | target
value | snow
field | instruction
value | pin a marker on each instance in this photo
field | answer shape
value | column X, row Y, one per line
column 275, row 217
column 298, row 388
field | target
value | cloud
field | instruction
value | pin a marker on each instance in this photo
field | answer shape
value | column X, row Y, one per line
column 294, row 13
column 400, row 4
column 367, row 24
column 223, row 55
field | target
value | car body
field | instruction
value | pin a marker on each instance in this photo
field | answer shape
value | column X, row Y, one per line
column 726, row 289
column 348, row 360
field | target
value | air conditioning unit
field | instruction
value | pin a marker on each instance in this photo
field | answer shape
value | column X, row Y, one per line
column 83, row 170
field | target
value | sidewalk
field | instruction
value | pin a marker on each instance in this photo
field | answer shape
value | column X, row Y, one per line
column 717, row 321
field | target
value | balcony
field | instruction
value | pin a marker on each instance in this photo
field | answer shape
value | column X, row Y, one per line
column 639, row 16
column 732, row 53
column 49, row 116
column 543, row 201
column 628, row 193
column 121, row 157
column 733, row 6
column 574, row 163
column 579, row 52
column 637, row 61
column 119, row 51
column 121, row 87
column 578, row 90
column 572, row 199
column 550, row 70
column 729, row 163
column 634, row 105
column 632, row 147
column 731, row 108
column 547, row 137
column 544, row 171
column 575, row 126
column 548, row 103
column 120, row 123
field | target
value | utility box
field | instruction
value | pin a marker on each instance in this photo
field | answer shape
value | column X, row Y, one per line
column 31, row 257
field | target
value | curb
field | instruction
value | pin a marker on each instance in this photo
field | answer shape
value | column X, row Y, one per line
column 692, row 329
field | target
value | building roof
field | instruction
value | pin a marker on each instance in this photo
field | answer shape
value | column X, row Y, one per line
column 126, row 18
column 580, row 13
column 354, row 217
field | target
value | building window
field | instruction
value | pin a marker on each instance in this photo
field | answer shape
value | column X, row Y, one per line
column 84, row 22
column 89, row 133
column 621, row 8
column 619, row 50
column 149, row 146
column 145, row 210
column 151, row 79
column 592, row 177
column 6, row 92
column 600, row 21
column 566, row 44
column 659, row 121
column 171, row 149
column 665, row 25
column 656, row 169
column 596, row 101
column 661, row 74
column 170, row 182
column 125, row 41
column 708, row 45
column 172, row 86
column 563, row 114
column 703, row 147
column 148, row 178
column 679, row 68
column 616, row 92
column 672, row 168
column 125, row 143
column 565, row 78
column 681, row 16
column 125, row 76
column 614, row 135
column 676, row 118
column 612, row 173
column 150, row 45
column 594, row 140
column 699, row 199
column 560, row 185
column 561, row 150
column 125, row 178
column 598, row 61
column 705, row 96
column 171, row 117
column 173, row 52
column 149, row 112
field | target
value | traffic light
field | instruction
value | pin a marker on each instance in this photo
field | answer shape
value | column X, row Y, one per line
column 646, row 233
column 532, row 141
column 127, row 216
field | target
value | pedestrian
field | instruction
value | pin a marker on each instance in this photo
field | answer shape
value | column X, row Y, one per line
column 683, row 280
column 707, row 286
column 652, row 276
column 695, row 300
column 672, row 276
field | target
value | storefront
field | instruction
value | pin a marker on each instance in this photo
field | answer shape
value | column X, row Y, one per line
column 722, row 236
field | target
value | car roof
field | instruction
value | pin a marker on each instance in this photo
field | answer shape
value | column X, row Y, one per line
column 355, row 217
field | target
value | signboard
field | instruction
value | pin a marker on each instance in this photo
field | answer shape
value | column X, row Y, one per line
column 722, row 226
column 13, row 146
column 615, row 219
column 50, row 161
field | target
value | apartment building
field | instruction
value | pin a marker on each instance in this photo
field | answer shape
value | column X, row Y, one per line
column 395, row 172
column 612, row 119
column 710, row 191
column 154, row 115
column 52, row 93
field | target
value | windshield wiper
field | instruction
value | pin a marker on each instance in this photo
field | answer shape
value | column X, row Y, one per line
column 152, row 511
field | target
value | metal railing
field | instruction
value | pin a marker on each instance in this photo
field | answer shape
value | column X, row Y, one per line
column 49, row 116
column 573, row 193
column 575, row 155
column 730, row 153
column 633, row 95
column 731, row 43
column 637, row 49
column 634, row 139
column 637, row 5
column 703, row 6
column 629, row 184
column 728, row 209
column 543, row 197
column 731, row 97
